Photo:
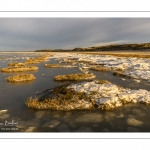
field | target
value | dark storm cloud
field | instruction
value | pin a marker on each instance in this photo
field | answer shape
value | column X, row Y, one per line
column 40, row 33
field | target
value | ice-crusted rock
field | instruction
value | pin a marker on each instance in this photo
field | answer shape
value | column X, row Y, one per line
column 139, row 74
column 108, row 95
column 124, row 96
column 105, row 100
column 88, row 87
column 141, row 66
column 114, row 62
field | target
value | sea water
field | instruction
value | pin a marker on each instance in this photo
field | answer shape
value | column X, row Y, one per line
column 127, row 118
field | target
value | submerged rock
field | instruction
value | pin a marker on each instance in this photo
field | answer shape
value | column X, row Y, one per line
column 105, row 130
column 30, row 129
column 131, row 129
column 134, row 122
column 52, row 123
column 138, row 112
column 3, row 111
column 93, row 118
column 4, row 116
column 72, row 126
column 84, row 129
column 63, row 128
column 119, row 129
column 40, row 114
column 95, row 125
column 121, row 115
column 110, row 114
column 29, row 123
column 69, row 113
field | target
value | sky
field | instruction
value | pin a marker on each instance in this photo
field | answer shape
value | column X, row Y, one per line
column 29, row 34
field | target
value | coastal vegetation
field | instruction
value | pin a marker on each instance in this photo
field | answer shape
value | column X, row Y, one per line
column 16, row 64
column 138, row 54
column 19, row 69
column 113, row 47
column 61, row 98
column 119, row 73
column 74, row 77
column 87, row 95
column 37, row 60
column 53, row 65
column 99, row 68
column 21, row 78
column 59, row 66
column 29, row 61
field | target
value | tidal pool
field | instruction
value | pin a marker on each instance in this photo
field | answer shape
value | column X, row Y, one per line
column 127, row 118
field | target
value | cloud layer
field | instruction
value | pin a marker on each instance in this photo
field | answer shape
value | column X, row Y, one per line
column 54, row 33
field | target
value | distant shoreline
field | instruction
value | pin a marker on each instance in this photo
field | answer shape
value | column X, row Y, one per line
column 114, row 47
column 129, row 53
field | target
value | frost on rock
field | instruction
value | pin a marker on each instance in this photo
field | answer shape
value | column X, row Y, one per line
column 109, row 96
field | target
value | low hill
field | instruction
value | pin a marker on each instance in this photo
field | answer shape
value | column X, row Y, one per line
column 114, row 47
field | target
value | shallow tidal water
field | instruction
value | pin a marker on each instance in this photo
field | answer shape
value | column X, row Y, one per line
column 127, row 118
